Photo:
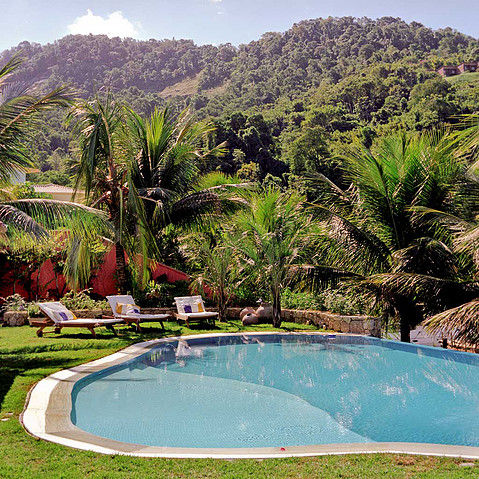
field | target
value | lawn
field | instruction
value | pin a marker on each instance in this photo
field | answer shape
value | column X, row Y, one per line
column 464, row 77
column 25, row 359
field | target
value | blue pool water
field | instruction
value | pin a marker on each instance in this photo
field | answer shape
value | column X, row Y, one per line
column 257, row 391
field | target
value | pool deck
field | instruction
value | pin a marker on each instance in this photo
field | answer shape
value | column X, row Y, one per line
column 49, row 404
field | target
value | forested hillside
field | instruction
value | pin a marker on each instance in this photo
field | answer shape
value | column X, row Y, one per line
column 288, row 101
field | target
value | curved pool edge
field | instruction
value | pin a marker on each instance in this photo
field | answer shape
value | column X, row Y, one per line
column 49, row 403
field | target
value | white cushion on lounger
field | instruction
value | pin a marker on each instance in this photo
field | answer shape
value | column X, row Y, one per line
column 52, row 310
column 127, row 303
column 205, row 314
column 194, row 304
column 144, row 316
column 127, row 309
column 57, row 312
column 91, row 321
column 115, row 300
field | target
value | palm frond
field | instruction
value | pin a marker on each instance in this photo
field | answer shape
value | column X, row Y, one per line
column 426, row 256
column 460, row 324
column 19, row 109
column 81, row 259
column 194, row 208
column 9, row 67
column 467, row 139
column 436, row 294
column 55, row 214
column 97, row 124
column 19, row 220
column 317, row 277
column 354, row 245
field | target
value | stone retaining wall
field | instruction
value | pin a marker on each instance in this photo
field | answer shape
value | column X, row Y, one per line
column 342, row 324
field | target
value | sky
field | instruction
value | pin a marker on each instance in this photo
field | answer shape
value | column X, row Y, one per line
column 210, row 21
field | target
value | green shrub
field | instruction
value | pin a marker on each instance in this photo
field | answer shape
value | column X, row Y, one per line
column 15, row 302
column 82, row 300
column 160, row 294
column 336, row 300
column 34, row 310
column 300, row 300
column 248, row 294
column 343, row 301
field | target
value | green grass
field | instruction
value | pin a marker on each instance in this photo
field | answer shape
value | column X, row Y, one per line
column 464, row 77
column 25, row 359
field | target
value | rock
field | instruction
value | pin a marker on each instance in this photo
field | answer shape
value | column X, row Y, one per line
column 265, row 312
column 246, row 311
column 250, row 318
column 15, row 318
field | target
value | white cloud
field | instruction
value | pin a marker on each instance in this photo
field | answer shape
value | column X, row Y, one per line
column 216, row 1
column 113, row 25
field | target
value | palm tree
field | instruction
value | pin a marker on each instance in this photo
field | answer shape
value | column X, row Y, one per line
column 452, row 303
column 144, row 173
column 375, row 232
column 19, row 107
column 271, row 235
column 19, row 110
column 220, row 272
column 461, row 322
column 167, row 171
column 102, row 169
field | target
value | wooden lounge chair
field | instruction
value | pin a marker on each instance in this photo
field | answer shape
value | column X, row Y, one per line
column 192, row 308
column 61, row 317
column 132, row 318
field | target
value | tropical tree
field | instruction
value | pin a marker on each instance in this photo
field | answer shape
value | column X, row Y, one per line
column 20, row 107
column 20, row 213
column 220, row 273
column 271, row 235
column 168, row 170
column 461, row 322
column 102, row 169
column 144, row 173
column 375, row 232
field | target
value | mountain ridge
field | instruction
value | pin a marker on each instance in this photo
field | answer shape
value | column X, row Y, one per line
column 331, row 48
column 283, row 102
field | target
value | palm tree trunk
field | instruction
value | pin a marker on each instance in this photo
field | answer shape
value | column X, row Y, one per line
column 407, row 316
column 221, row 310
column 405, row 330
column 276, row 308
column 120, row 268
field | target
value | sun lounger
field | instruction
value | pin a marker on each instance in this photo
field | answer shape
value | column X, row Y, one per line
column 120, row 303
column 192, row 308
column 61, row 317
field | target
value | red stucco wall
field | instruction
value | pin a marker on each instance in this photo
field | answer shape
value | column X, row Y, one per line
column 102, row 282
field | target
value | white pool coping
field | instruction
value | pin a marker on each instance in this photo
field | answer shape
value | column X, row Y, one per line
column 49, row 404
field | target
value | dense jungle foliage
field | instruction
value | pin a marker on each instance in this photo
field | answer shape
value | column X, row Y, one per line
column 287, row 102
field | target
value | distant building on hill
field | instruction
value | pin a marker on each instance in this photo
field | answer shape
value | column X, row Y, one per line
column 464, row 67
column 448, row 71
column 19, row 175
column 468, row 67
column 61, row 193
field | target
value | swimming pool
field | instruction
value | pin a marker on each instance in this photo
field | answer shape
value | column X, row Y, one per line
column 282, row 393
